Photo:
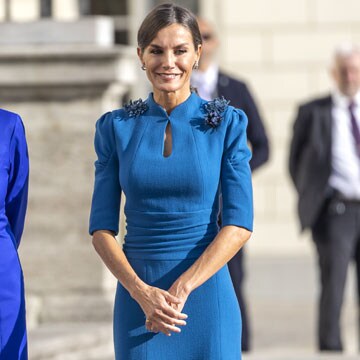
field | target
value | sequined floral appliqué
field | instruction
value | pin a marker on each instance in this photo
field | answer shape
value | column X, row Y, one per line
column 136, row 108
column 215, row 111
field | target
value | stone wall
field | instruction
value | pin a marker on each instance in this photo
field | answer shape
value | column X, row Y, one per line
column 60, row 91
column 283, row 49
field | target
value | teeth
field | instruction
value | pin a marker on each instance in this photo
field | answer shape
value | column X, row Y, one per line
column 168, row 76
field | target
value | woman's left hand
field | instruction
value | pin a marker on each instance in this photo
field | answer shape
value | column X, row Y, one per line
column 180, row 291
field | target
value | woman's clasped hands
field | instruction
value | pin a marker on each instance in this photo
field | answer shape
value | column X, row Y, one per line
column 162, row 310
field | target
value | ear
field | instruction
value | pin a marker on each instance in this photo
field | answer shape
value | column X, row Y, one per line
column 140, row 55
column 198, row 52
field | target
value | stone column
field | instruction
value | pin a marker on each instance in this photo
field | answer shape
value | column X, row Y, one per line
column 24, row 10
column 65, row 9
column 60, row 92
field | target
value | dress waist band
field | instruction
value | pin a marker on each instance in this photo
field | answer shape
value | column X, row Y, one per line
column 180, row 235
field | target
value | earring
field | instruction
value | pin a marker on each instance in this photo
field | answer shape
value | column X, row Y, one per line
column 143, row 67
column 196, row 65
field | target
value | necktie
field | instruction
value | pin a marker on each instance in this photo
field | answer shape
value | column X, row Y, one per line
column 355, row 127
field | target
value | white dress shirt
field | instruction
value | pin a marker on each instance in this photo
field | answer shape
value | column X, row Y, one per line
column 345, row 175
column 206, row 82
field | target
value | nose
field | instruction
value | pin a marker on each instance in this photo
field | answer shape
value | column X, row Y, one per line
column 168, row 61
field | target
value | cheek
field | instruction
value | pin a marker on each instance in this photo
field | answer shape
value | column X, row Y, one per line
column 188, row 64
column 152, row 63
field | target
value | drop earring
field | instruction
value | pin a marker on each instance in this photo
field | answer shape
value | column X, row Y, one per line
column 143, row 67
column 196, row 65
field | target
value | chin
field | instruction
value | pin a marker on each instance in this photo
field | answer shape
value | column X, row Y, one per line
column 350, row 92
column 169, row 88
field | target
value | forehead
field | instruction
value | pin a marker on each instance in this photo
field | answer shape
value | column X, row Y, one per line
column 351, row 60
column 172, row 35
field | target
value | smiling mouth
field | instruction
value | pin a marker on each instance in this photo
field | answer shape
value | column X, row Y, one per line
column 168, row 76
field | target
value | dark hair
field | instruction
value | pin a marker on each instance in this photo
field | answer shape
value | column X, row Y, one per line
column 165, row 15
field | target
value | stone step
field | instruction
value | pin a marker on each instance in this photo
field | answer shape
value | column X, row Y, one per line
column 71, row 341
column 93, row 341
column 102, row 352
column 295, row 354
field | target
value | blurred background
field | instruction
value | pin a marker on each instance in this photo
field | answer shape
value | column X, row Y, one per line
column 65, row 62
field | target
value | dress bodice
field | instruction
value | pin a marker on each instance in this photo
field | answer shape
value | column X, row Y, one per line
column 171, row 202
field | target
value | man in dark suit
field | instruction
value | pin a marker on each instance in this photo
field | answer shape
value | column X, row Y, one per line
column 210, row 83
column 325, row 168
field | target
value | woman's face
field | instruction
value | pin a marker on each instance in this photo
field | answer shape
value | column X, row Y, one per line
column 169, row 60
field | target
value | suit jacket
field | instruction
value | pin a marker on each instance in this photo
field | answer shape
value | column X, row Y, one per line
column 310, row 158
column 237, row 92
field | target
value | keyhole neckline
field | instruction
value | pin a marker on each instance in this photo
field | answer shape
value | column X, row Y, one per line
column 167, row 148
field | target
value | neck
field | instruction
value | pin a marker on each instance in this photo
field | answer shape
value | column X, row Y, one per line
column 169, row 100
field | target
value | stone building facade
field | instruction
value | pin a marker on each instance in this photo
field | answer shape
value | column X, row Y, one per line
column 283, row 48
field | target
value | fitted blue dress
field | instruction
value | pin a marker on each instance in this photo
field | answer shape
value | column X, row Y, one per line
column 14, row 171
column 171, row 212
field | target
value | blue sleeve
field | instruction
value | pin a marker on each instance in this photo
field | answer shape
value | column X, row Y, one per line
column 105, row 207
column 17, row 193
column 236, row 186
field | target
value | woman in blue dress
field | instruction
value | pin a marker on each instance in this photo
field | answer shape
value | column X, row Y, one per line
column 171, row 155
column 14, row 172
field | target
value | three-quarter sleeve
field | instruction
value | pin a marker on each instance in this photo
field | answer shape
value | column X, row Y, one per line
column 105, row 205
column 236, row 186
column 17, row 192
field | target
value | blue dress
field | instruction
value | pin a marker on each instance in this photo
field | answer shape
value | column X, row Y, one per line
column 14, row 171
column 171, row 212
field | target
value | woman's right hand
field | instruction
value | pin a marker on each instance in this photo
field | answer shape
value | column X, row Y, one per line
column 160, row 315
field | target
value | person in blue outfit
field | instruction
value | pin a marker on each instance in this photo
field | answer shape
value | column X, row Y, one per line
column 170, row 155
column 14, row 174
column 211, row 81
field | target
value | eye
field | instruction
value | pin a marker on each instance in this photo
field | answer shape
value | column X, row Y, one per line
column 180, row 51
column 155, row 51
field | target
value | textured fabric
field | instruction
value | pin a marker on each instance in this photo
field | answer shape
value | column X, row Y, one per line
column 237, row 273
column 14, row 171
column 238, row 94
column 213, row 327
column 171, row 211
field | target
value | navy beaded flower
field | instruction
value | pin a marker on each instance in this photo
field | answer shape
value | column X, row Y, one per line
column 136, row 108
column 214, row 111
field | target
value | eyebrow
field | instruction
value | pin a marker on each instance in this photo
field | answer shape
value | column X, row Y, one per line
column 176, row 47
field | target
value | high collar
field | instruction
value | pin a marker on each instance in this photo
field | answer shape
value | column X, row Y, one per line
column 183, row 109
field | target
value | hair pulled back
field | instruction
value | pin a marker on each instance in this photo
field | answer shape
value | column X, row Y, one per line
column 165, row 15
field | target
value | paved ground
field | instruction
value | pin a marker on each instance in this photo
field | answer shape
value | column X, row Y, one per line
column 281, row 292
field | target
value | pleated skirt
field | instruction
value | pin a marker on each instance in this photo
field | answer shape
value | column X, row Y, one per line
column 213, row 330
